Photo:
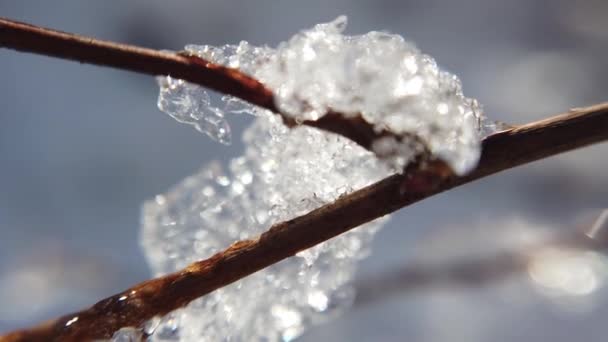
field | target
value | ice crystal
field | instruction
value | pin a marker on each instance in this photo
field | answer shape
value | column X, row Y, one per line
column 282, row 174
column 289, row 172
column 378, row 75
column 489, row 127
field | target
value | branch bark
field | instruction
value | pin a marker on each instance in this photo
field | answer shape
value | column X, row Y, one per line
column 159, row 296
column 132, row 307
column 29, row 38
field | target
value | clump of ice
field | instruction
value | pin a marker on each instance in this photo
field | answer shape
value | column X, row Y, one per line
column 283, row 173
column 286, row 172
column 378, row 75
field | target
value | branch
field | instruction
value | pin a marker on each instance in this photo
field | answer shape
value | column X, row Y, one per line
column 159, row 296
column 29, row 38
column 477, row 271
column 132, row 307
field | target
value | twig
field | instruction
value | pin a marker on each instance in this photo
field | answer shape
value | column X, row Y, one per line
column 501, row 151
column 474, row 271
column 29, row 38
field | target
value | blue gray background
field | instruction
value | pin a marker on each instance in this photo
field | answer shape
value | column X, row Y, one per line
column 82, row 146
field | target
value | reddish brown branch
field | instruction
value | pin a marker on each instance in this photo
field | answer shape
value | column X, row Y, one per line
column 30, row 38
column 134, row 306
column 159, row 296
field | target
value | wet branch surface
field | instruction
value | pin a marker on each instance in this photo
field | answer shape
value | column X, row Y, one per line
column 132, row 307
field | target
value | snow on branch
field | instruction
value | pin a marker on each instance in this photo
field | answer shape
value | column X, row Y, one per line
column 546, row 257
column 189, row 66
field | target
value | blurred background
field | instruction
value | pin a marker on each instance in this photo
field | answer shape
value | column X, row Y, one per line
column 81, row 147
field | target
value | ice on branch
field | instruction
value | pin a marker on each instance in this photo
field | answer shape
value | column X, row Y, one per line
column 378, row 75
column 190, row 104
column 285, row 173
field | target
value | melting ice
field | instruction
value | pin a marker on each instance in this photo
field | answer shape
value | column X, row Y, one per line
column 286, row 172
column 378, row 75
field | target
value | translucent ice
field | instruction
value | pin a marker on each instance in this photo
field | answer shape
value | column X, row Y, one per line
column 282, row 174
column 127, row 335
column 190, row 104
column 378, row 75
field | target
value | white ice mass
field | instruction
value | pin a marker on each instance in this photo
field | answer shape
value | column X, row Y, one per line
column 286, row 172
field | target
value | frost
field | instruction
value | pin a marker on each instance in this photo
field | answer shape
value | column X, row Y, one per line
column 285, row 173
column 282, row 174
column 378, row 75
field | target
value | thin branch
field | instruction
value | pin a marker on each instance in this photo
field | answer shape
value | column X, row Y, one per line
column 158, row 296
column 476, row 271
column 29, row 38
column 501, row 151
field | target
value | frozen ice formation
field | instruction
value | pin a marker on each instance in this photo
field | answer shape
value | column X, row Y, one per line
column 190, row 104
column 282, row 174
column 377, row 75
column 285, row 173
